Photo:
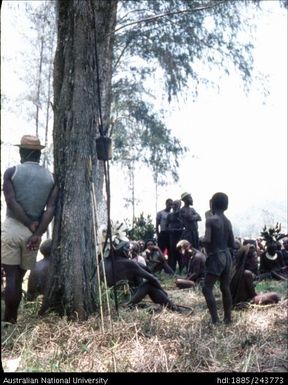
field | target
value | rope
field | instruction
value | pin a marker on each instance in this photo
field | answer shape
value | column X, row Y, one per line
column 106, row 172
column 101, row 130
column 109, row 231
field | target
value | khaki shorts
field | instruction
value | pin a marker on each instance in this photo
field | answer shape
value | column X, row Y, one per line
column 14, row 237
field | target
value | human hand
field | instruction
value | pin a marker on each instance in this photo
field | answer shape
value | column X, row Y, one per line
column 34, row 226
column 34, row 242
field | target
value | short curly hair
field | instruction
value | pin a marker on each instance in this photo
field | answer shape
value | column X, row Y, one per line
column 219, row 201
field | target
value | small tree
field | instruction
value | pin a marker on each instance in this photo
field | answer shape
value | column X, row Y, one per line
column 143, row 228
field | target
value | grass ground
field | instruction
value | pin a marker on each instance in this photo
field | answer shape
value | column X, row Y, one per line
column 150, row 340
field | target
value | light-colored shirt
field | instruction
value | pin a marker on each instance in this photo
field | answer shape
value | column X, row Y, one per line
column 32, row 184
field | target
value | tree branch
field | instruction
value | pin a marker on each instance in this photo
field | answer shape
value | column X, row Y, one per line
column 153, row 18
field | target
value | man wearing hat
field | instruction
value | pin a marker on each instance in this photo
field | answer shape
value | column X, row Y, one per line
column 189, row 218
column 28, row 189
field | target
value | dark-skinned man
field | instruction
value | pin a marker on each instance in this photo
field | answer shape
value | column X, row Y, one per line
column 218, row 242
column 161, row 230
column 30, row 194
column 190, row 219
column 141, row 281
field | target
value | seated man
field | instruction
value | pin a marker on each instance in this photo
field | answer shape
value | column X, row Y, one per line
column 242, row 284
column 141, row 280
column 136, row 254
column 155, row 259
column 196, row 265
column 272, row 264
column 38, row 275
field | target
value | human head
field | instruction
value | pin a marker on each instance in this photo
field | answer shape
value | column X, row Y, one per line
column 29, row 155
column 30, row 148
column 219, row 201
column 168, row 204
column 121, row 245
column 249, row 242
column 251, row 250
column 135, row 249
column 184, row 246
column 123, row 249
column 141, row 244
column 271, row 249
column 150, row 244
column 176, row 205
column 187, row 198
column 237, row 244
column 45, row 248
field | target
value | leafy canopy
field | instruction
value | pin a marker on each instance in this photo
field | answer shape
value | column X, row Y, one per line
column 171, row 45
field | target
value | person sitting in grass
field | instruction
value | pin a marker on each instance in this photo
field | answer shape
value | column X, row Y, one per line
column 155, row 259
column 196, row 265
column 244, row 279
column 242, row 284
column 271, row 261
column 38, row 276
column 140, row 280
column 136, row 255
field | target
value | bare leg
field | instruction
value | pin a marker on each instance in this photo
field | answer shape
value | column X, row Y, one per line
column 157, row 295
column 209, row 297
column 13, row 291
column 140, row 293
column 168, row 269
column 227, row 299
column 184, row 283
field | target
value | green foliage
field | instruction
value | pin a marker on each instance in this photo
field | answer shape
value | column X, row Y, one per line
column 271, row 285
column 143, row 228
column 178, row 36
column 140, row 135
column 176, row 44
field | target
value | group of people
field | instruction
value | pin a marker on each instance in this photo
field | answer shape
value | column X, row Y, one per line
column 178, row 224
column 31, row 195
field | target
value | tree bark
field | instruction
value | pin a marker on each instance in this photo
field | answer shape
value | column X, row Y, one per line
column 72, row 286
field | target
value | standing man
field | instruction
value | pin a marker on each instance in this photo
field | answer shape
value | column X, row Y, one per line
column 174, row 226
column 28, row 189
column 189, row 218
column 218, row 241
column 162, row 233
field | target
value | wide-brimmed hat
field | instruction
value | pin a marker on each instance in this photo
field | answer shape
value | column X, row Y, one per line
column 30, row 142
column 184, row 195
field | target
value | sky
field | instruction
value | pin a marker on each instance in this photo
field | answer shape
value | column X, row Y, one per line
column 237, row 143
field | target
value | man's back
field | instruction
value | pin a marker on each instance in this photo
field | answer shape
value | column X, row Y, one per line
column 32, row 184
column 221, row 236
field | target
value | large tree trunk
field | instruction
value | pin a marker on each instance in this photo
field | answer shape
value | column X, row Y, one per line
column 72, row 279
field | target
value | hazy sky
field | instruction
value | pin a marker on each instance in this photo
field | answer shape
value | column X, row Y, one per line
column 237, row 143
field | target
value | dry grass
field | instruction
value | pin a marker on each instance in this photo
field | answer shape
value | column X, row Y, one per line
column 148, row 340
